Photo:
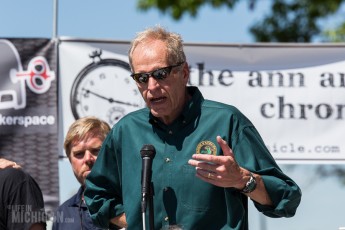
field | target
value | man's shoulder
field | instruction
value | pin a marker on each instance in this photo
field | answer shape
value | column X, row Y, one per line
column 140, row 115
column 218, row 105
column 13, row 178
column 72, row 201
column 137, row 113
column 14, row 173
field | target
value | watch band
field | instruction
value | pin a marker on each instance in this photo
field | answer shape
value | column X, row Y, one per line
column 250, row 185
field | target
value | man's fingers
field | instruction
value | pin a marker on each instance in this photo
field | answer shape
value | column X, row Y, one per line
column 227, row 151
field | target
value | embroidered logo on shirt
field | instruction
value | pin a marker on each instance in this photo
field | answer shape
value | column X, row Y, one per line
column 206, row 147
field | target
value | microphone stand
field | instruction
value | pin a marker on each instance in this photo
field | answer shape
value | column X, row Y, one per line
column 148, row 197
column 151, row 212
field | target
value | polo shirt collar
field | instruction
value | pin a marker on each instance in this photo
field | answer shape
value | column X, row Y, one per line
column 77, row 199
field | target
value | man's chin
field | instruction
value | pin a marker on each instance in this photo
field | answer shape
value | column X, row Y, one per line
column 85, row 174
column 159, row 113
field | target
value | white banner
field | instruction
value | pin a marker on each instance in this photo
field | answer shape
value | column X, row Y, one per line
column 293, row 94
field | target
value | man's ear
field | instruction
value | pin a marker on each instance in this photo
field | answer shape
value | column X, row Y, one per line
column 185, row 71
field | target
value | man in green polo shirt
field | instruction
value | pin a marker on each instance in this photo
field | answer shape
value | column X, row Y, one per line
column 209, row 156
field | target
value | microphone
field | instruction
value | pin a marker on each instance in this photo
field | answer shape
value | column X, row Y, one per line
column 147, row 153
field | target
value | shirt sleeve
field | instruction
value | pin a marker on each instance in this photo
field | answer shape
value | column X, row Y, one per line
column 251, row 153
column 102, row 192
column 285, row 195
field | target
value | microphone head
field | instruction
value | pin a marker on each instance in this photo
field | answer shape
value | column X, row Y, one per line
column 148, row 151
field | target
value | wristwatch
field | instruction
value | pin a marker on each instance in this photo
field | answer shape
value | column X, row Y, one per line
column 250, row 185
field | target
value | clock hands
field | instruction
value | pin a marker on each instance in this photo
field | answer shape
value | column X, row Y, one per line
column 111, row 100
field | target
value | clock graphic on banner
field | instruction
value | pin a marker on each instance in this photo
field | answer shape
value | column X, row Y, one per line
column 105, row 89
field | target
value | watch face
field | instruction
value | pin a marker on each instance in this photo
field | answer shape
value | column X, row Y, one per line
column 105, row 89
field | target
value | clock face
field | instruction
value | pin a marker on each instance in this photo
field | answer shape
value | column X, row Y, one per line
column 105, row 90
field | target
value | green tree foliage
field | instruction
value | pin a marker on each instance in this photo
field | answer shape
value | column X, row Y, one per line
column 294, row 21
column 288, row 21
column 335, row 35
column 176, row 9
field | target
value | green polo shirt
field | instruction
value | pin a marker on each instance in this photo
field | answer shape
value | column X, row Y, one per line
column 180, row 198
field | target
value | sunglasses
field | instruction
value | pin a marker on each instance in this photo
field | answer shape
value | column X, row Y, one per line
column 158, row 74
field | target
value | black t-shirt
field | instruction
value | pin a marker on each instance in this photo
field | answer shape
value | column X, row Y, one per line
column 21, row 200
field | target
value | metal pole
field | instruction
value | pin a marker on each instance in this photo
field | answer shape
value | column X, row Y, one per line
column 55, row 18
column 263, row 224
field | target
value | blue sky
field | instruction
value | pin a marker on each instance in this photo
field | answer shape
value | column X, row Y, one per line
column 120, row 20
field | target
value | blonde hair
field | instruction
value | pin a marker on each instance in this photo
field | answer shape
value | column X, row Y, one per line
column 174, row 43
column 83, row 128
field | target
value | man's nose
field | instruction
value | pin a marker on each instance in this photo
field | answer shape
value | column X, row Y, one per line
column 152, row 83
column 89, row 157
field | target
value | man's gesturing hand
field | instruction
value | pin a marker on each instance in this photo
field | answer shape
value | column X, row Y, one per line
column 222, row 171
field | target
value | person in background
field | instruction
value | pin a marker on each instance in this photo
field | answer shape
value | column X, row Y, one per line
column 21, row 199
column 193, row 137
column 82, row 144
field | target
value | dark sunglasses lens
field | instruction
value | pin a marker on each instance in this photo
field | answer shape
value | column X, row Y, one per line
column 160, row 73
column 140, row 78
column 143, row 78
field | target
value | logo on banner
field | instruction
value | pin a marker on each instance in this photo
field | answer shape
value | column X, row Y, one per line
column 13, row 78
